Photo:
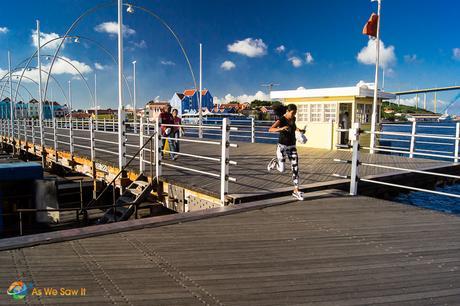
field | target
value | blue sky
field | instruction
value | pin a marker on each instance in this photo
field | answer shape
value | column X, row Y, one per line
column 321, row 41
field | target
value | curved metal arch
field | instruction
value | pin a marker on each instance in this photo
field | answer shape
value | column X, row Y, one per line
column 103, row 5
column 80, row 37
column 22, row 86
column 36, row 83
column 8, row 91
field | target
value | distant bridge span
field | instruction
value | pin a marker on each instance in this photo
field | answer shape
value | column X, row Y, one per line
column 417, row 91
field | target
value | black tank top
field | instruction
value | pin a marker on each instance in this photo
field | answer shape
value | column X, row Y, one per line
column 287, row 137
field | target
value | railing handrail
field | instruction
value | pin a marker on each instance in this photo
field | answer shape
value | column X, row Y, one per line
column 121, row 171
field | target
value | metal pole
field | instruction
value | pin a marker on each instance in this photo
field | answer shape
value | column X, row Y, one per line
column 354, row 176
column 40, row 101
column 253, row 130
column 416, row 101
column 12, row 107
column 141, row 143
column 158, row 152
column 424, row 101
column 121, row 111
column 200, row 101
column 93, row 155
column 55, row 144
column 70, row 124
column 95, row 100
column 225, row 154
column 412, row 140
column 134, row 97
column 457, row 140
column 376, row 82
column 20, row 223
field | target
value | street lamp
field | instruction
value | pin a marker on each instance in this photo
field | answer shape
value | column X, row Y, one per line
column 130, row 9
column 134, row 96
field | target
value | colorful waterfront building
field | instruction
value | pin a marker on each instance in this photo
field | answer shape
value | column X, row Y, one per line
column 324, row 110
column 187, row 102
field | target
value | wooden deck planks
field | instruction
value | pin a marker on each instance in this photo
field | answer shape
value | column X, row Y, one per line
column 333, row 251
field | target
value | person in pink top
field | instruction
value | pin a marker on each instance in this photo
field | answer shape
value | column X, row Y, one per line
column 176, row 133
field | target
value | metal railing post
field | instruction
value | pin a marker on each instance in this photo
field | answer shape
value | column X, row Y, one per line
column 93, row 155
column 158, row 149
column 412, row 140
column 25, row 134
column 33, row 133
column 354, row 176
column 141, row 143
column 71, row 148
column 20, row 223
column 253, row 130
column 457, row 140
column 224, row 164
column 55, row 143
column 105, row 126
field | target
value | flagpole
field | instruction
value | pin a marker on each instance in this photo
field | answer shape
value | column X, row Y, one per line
column 376, row 81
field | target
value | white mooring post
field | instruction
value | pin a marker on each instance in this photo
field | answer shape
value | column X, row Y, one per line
column 354, row 176
column 224, row 163
column 412, row 140
column 253, row 130
column 158, row 150
column 457, row 140
column 141, row 143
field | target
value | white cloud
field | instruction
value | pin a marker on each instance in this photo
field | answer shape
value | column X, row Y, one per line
column 260, row 95
column 295, row 61
column 280, row 49
column 301, row 88
column 308, row 58
column 168, row 63
column 141, row 44
column 62, row 67
column 4, row 30
column 249, row 47
column 99, row 66
column 367, row 54
column 228, row 65
column 456, row 53
column 111, row 27
column 410, row 58
column 44, row 38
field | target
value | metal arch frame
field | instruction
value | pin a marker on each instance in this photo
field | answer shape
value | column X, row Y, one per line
column 22, row 86
column 79, row 37
column 49, row 73
column 103, row 5
column 35, row 82
column 7, row 91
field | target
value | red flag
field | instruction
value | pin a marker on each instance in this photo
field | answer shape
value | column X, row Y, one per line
column 370, row 28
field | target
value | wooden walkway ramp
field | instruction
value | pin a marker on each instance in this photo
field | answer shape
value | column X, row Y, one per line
column 330, row 251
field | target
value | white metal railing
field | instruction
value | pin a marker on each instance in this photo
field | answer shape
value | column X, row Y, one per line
column 412, row 139
column 96, row 137
column 355, row 163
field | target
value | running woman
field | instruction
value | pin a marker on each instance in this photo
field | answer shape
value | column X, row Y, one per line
column 286, row 127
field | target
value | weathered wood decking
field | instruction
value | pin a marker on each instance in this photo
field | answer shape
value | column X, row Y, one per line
column 333, row 251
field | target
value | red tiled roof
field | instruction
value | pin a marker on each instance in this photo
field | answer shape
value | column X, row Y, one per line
column 191, row 92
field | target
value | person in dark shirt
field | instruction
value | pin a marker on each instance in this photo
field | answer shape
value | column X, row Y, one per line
column 286, row 127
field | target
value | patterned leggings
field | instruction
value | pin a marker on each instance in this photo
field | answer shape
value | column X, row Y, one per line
column 290, row 152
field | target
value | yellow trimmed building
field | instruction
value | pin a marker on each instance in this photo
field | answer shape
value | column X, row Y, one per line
column 324, row 110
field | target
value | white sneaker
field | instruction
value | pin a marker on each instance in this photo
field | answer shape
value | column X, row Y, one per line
column 298, row 195
column 272, row 164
